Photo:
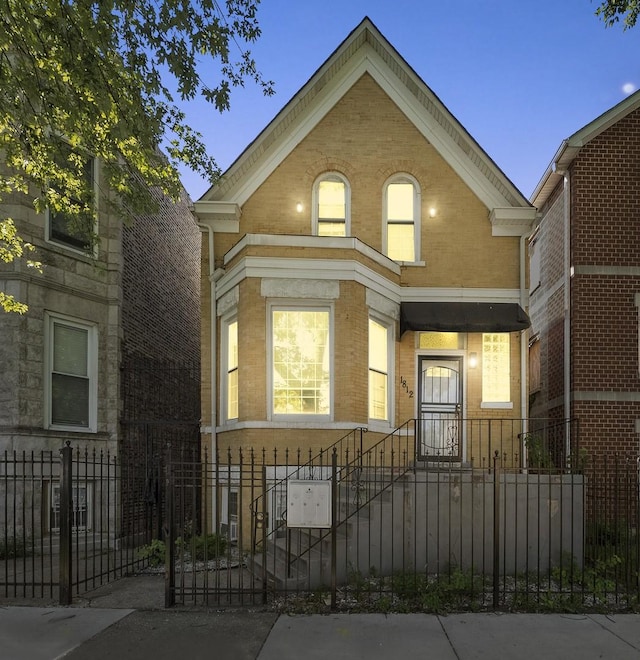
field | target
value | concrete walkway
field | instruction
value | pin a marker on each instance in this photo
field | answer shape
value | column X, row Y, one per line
column 125, row 621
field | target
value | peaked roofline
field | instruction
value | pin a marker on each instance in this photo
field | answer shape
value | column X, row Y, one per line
column 366, row 50
column 571, row 146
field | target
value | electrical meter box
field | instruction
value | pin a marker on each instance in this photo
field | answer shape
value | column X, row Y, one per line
column 308, row 503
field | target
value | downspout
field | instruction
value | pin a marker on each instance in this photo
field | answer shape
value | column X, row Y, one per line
column 213, row 333
column 524, row 345
column 567, row 309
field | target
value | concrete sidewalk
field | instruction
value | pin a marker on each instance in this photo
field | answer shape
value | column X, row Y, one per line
column 125, row 620
column 28, row 633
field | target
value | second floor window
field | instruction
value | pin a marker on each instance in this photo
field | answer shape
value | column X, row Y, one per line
column 331, row 206
column 75, row 230
column 401, row 217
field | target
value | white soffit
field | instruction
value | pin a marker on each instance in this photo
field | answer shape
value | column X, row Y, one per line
column 366, row 51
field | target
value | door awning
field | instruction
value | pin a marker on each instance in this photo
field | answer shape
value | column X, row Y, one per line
column 463, row 317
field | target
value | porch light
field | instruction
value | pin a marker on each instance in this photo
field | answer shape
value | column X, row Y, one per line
column 432, row 212
column 299, row 207
column 473, row 360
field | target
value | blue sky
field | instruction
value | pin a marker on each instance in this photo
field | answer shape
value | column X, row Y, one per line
column 519, row 75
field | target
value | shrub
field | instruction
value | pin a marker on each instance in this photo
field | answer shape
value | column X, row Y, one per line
column 155, row 552
column 209, row 546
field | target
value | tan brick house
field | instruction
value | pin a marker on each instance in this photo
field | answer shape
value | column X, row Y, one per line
column 585, row 283
column 363, row 265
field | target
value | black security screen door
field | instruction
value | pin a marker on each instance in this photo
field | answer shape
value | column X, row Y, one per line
column 440, row 406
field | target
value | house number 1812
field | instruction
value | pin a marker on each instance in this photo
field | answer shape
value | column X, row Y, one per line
column 405, row 387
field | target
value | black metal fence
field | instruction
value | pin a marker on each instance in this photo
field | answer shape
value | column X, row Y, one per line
column 364, row 525
column 65, row 525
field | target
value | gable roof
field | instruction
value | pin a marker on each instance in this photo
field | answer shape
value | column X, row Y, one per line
column 365, row 50
column 571, row 147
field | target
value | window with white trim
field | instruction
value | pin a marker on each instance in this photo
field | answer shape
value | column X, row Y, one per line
column 401, row 231
column 496, row 367
column 75, row 230
column 379, row 368
column 300, row 361
column 229, row 513
column 231, row 368
column 331, row 205
column 81, row 506
column 71, row 384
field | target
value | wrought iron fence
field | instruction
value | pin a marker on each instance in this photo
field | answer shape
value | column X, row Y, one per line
column 65, row 525
column 366, row 524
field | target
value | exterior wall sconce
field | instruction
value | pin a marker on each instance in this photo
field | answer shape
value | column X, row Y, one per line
column 473, row 360
column 432, row 212
column 299, row 207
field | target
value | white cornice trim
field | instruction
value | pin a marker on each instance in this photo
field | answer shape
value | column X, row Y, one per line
column 350, row 270
column 316, row 242
column 222, row 217
column 512, row 221
column 367, row 51
column 570, row 147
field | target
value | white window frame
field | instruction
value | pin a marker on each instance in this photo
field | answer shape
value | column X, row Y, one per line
column 229, row 521
column 485, row 362
column 227, row 321
column 302, row 306
column 417, row 215
column 51, row 320
column 390, row 328
column 95, row 172
column 315, row 200
column 84, row 509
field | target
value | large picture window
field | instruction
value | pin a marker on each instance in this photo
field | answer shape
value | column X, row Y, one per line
column 301, row 361
column 378, row 370
column 402, row 219
column 71, row 391
column 496, row 368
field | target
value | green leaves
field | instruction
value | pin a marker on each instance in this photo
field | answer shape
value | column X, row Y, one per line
column 612, row 11
column 98, row 73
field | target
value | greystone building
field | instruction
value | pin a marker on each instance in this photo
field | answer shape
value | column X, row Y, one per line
column 106, row 360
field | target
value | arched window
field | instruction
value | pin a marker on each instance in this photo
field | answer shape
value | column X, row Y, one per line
column 331, row 205
column 401, row 216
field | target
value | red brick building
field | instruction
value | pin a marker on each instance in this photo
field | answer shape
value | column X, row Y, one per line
column 585, row 284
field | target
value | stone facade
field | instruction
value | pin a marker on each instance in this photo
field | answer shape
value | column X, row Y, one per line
column 139, row 292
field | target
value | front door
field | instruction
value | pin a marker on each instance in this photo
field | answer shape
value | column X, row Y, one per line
column 440, row 408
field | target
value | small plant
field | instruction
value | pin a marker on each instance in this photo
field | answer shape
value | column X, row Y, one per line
column 538, row 456
column 154, row 552
column 205, row 546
